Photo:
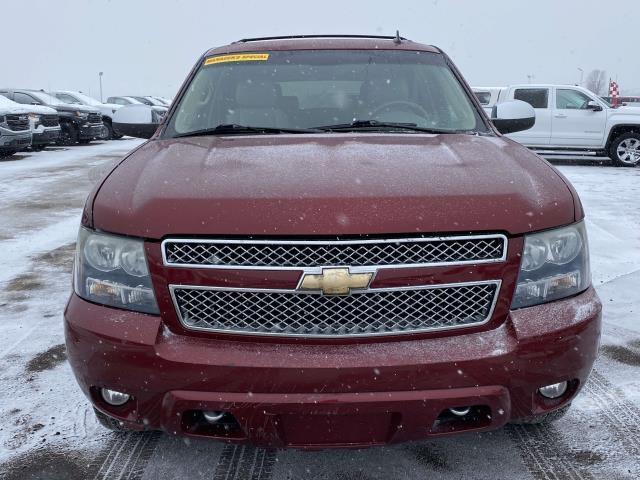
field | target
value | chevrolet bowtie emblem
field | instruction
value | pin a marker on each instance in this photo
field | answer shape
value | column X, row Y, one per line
column 335, row 281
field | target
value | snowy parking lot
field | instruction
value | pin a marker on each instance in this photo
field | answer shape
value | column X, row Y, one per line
column 48, row 430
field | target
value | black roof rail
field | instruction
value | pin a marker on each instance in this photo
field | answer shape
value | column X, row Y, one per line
column 288, row 37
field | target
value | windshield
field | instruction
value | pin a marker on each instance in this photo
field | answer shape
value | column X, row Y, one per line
column 309, row 89
column 87, row 100
column 46, row 98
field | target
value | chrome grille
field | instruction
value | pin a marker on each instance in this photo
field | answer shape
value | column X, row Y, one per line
column 49, row 120
column 18, row 123
column 94, row 118
column 297, row 254
column 371, row 312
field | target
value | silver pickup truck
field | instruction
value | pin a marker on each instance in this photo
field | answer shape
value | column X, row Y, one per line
column 571, row 120
column 15, row 129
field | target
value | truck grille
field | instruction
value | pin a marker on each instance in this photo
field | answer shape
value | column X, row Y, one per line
column 50, row 120
column 370, row 312
column 18, row 123
column 280, row 254
column 94, row 118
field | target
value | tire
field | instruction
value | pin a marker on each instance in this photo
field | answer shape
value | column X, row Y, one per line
column 85, row 141
column 110, row 133
column 544, row 418
column 7, row 153
column 69, row 135
column 37, row 148
column 625, row 150
column 109, row 423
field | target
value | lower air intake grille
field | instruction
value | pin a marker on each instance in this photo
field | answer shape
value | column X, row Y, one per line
column 371, row 312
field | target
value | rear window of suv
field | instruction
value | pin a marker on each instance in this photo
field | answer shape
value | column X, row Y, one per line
column 313, row 88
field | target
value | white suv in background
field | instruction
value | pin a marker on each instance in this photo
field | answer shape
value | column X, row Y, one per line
column 106, row 109
column 572, row 120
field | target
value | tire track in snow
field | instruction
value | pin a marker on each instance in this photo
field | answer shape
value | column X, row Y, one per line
column 126, row 456
column 545, row 454
column 622, row 416
column 244, row 462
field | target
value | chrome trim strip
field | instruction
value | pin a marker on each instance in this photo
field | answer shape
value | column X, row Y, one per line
column 166, row 263
column 497, row 283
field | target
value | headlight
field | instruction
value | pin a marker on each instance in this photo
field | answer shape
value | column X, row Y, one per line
column 112, row 270
column 82, row 114
column 555, row 264
column 34, row 119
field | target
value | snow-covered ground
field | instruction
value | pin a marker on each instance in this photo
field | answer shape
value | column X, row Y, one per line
column 47, row 429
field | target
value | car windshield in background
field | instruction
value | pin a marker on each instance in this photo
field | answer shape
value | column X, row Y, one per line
column 321, row 88
column 46, row 98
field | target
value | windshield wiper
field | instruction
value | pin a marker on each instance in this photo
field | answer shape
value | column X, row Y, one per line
column 377, row 125
column 233, row 128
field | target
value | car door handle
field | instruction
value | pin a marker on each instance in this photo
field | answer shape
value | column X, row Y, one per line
column 560, row 115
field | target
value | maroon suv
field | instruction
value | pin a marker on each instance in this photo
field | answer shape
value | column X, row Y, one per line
column 327, row 243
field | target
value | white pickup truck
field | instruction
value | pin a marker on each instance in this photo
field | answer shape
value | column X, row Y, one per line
column 572, row 120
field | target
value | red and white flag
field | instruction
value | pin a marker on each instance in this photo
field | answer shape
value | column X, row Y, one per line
column 614, row 93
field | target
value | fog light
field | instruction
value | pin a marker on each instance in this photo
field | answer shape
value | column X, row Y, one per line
column 114, row 398
column 553, row 391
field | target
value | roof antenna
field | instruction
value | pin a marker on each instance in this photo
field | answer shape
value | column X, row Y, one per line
column 397, row 40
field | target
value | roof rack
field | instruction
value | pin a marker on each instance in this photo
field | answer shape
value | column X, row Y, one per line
column 288, row 37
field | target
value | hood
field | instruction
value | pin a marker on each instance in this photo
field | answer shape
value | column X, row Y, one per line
column 68, row 107
column 333, row 184
column 17, row 110
column 41, row 110
column 107, row 109
column 627, row 110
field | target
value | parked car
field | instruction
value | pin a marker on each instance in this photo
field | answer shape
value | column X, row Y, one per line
column 44, row 121
column 152, row 101
column 79, row 98
column 124, row 101
column 15, row 130
column 79, row 124
column 571, row 120
column 328, row 244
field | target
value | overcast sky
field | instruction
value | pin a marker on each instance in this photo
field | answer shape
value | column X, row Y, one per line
column 148, row 46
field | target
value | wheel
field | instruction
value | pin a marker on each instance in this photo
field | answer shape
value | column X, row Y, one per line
column 69, row 135
column 544, row 418
column 625, row 150
column 37, row 148
column 110, row 134
column 85, row 141
column 108, row 422
column 7, row 153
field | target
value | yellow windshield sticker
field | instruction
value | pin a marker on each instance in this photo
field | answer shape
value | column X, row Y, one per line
column 239, row 57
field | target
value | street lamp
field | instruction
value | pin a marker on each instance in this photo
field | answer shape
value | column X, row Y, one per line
column 100, row 77
column 581, row 75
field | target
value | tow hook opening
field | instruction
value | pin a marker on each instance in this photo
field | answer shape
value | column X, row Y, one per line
column 463, row 417
column 211, row 423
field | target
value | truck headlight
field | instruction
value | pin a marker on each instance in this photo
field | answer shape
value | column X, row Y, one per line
column 555, row 264
column 112, row 270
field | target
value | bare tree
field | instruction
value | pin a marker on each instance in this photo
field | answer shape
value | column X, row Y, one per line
column 596, row 81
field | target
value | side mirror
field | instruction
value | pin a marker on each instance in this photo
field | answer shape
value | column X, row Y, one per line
column 593, row 105
column 513, row 116
column 139, row 121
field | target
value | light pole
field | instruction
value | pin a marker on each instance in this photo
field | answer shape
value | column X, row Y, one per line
column 100, row 76
column 530, row 77
column 581, row 76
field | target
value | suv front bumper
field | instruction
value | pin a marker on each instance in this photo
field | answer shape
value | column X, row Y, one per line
column 332, row 394
column 46, row 135
column 12, row 140
column 90, row 131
